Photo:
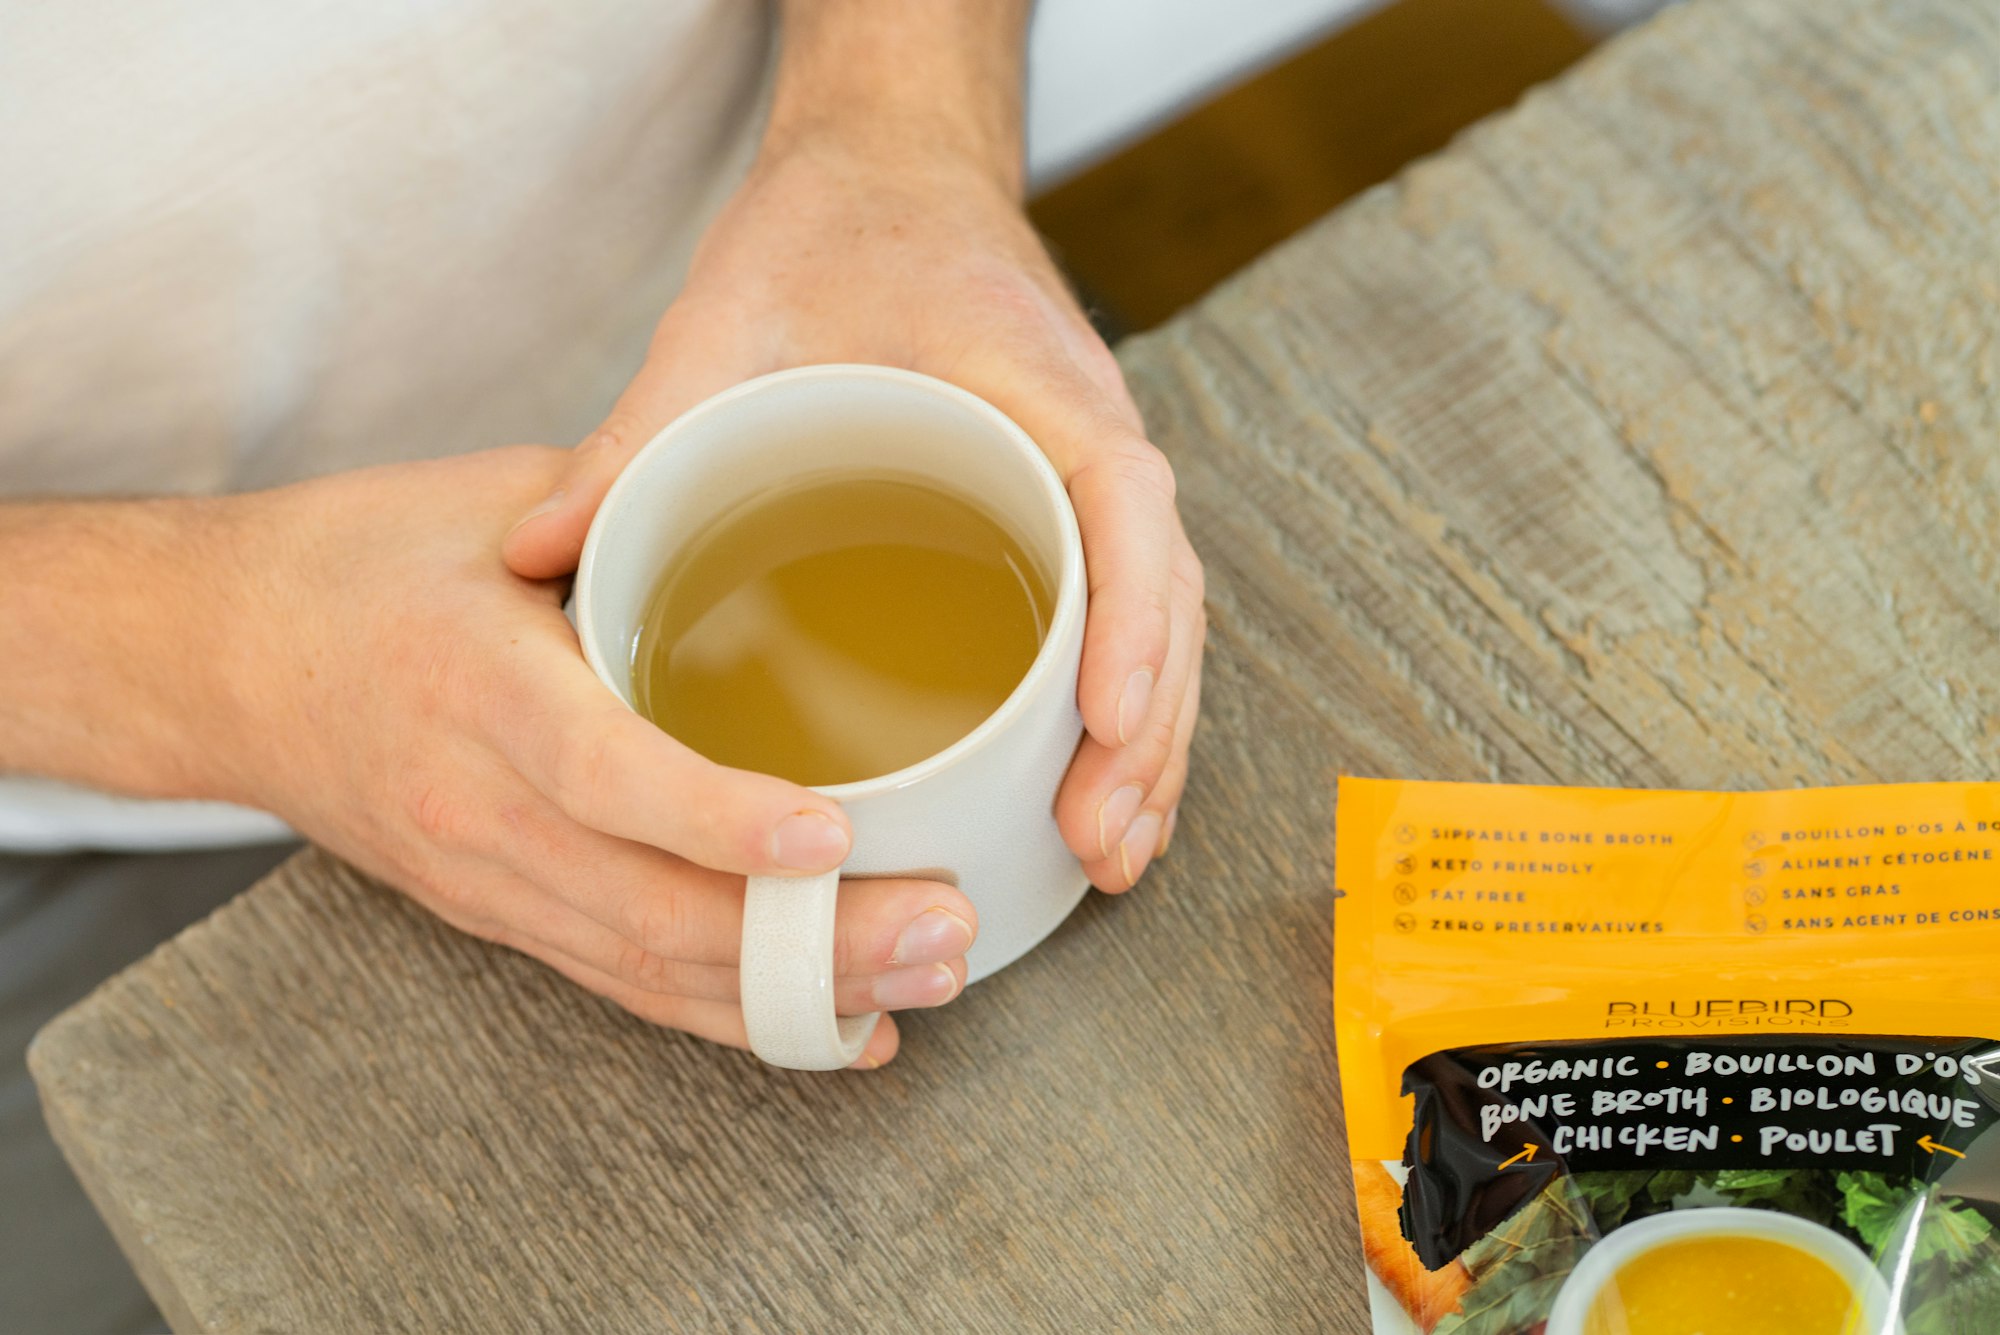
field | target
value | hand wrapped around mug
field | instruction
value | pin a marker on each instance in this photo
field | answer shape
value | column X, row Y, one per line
column 831, row 253
column 370, row 670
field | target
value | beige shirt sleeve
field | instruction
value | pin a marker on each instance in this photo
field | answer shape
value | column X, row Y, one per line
column 243, row 243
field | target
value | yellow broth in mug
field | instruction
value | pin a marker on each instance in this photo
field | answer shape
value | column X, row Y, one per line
column 840, row 630
column 1724, row 1285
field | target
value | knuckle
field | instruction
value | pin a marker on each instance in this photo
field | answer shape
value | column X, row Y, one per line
column 1140, row 465
column 847, row 954
column 647, row 970
column 438, row 813
column 1144, row 611
column 658, row 924
column 1131, row 464
column 517, row 820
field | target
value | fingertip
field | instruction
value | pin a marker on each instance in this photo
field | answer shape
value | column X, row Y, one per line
column 1080, row 814
column 1107, row 877
column 1125, row 865
column 916, row 988
column 882, row 1047
column 1118, row 686
column 1135, row 701
column 940, row 933
column 547, row 541
column 889, row 923
column 548, row 505
column 810, row 841
column 1115, row 816
column 1139, row 846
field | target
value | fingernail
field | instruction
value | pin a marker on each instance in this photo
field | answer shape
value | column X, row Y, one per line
column 1114, row 816
column 1137, row 849
column 552, row 503
column 933, row 936
column 931, row 985
column 1132, row 704
column 1167, row 831
column 808, row 841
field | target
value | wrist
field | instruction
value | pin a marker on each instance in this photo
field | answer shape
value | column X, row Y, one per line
column 115, row 639
column 909, row 149
column 882, row 161
column 228, row 714
column 927, row 86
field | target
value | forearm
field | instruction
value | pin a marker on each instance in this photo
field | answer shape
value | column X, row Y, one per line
column 938, row 79
column 112, row 651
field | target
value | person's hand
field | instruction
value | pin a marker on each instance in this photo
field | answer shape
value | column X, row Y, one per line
column 403, row 699
column 835, row 251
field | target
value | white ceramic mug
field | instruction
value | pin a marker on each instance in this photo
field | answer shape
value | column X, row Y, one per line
column 981, row 812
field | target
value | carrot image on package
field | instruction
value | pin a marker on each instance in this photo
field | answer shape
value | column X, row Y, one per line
column 1652, row 1063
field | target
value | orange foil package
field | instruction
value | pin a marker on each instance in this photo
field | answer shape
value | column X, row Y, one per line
column 1658, row 1063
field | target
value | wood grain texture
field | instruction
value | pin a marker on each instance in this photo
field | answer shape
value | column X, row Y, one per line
column 1647, row 436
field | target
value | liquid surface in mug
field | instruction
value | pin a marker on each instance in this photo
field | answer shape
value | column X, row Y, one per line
column 839, row 631
column 1726, row 1285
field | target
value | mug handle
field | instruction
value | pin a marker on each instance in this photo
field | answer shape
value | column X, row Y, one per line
column 787, row 975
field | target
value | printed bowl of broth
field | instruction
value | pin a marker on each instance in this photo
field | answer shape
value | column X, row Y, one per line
column 1723, row 1271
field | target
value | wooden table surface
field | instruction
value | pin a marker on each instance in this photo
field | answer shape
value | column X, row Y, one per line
column 1648, row 436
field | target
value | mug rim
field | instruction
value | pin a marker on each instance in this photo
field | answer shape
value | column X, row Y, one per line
column 1069, row 579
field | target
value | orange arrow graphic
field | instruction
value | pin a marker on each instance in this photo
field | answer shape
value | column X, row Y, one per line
column 1529, row 1154
column 1928, row 1145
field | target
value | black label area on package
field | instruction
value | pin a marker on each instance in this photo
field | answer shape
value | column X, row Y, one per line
column 1494, row 1124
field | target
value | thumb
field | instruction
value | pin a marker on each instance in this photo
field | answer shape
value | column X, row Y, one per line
column 547, row 541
